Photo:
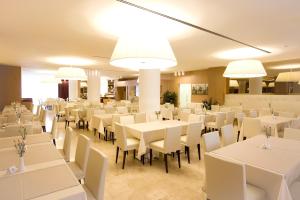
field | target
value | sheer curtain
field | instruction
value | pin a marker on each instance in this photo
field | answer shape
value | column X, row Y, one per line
column 185, row 94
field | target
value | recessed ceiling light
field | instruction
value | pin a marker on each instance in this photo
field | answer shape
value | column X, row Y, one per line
column 70, row 60
column 240, row 53
column 288, row 66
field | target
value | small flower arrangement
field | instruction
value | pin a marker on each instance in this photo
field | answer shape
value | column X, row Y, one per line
column 20, row 147
column 23, row 132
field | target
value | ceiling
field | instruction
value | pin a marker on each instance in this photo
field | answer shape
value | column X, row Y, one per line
column 31, row 31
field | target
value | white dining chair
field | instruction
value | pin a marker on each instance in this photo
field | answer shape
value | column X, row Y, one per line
column 227, row 135
column 78, row 166
column 69, row 117
column 54, row 130
column 37, row 114
column 233, row 172
column 194, row 118
column 215, row 108
column 253, row 113
column 170, row 144
column 42, row 119
column 125, row 143
column 211, row 141
column 140, row 118
column 166, row 113
column 229, row 117
column 184, row 116
column 292, row 133
column 239, row 116
column 66, row 151
column 251, row 127
column 96, row 170
column 192, row 138
column 26, row 118
column 295, row 123
column 61, row 110
column 153, row 117
column 122, row 110
column 218, row 123
column 111, row 128
column 129, row 119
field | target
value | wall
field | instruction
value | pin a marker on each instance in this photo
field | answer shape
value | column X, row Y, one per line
column 217, row 84
column 10, row 84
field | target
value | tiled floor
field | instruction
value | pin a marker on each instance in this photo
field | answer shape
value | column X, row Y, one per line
column 139, row 181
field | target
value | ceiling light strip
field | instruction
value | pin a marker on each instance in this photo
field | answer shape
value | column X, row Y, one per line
column 191, row 25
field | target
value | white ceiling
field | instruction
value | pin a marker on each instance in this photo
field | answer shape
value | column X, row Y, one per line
column 33, row 30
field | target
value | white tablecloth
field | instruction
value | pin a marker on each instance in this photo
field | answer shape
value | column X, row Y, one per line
column 274, row 122
column 151, row 131
column 30, row 139
column 274, row 169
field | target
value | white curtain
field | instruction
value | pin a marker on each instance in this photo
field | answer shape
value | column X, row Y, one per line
column 185, row 94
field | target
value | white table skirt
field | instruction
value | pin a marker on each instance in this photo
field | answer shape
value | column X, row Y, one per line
column 274, row 170
column 151, row 131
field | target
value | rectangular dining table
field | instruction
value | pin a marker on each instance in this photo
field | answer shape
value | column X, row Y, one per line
column 273, row 170
column 46, row 175
column 151, row 131
column 274, row 122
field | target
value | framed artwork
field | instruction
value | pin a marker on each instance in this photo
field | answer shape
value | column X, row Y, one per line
column 200, row 89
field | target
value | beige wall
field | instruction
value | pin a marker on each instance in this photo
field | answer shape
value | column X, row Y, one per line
column 10, row 84
column 217, row 84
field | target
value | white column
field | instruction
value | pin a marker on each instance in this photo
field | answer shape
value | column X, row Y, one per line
column 255, row 85
column 73, row 89
column 149, row 89
column 93, row 82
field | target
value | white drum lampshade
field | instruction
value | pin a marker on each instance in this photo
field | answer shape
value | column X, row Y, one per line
column 245, row 69
column 233, row 83
column 288, row 77
column 141, row 52
column 71, row 73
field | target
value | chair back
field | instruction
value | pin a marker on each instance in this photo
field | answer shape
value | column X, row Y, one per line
column 11, row 118
column 253, row 113
column 96, row 170
column 215, row 108
column 194, row 118
column 38, row 109
column 230, row 117
column 82, row 150
column 218, row 169
column 42, row 116
column 172, row 139
column 287, row 114
column 3, row 119
column 54, row 127
column 292, row 133
column 26, row 117
column 129, row 119
column 67, row 143
column 211, row 141
column 140, row 118
column 121, row 136
column 220, row 119
column 251, row 127
column 227, row 135
column 122, row 110
column 166, row 113
column 296, row 123
column 240, row 116
column 193, row 133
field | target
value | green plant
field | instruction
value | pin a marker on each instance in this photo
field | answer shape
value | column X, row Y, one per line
column 170, row 97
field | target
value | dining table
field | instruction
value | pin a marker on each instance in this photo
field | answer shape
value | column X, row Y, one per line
column 46, row 174
column 152, row 131
column 273, row 169
column 275, row 122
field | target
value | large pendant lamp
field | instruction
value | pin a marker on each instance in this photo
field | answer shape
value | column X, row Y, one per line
column 143, row 51
column 288, row 77
column 71, row 73
column 245, row 69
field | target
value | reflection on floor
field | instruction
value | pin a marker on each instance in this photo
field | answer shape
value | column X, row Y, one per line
column 139, row 181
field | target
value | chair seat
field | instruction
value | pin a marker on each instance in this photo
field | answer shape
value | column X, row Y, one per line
column 158, row 146
column 77, row 171
column 89, row 195
column 61, row 113
column 255, row 193
column 132, row 144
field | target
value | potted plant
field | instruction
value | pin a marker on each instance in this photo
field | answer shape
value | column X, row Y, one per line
column 170, row 97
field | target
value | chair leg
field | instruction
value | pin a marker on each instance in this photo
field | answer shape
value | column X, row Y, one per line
column 66, row 122
column 117, row 154
column 238, row 136
column 185, row 150
column 57, row 118
column 133, row 153
column 173, row 155
column 199, row 152
column 150, row 157
column 244, row 138
column 166, row 162
column 124, row 157
column 188, row 154
column 44, row 128
column 95, row 131
column 105, row 138
column 99, row 135
column 178, row 155
column 143, row 159
column 54, row 142
column 113, row 138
